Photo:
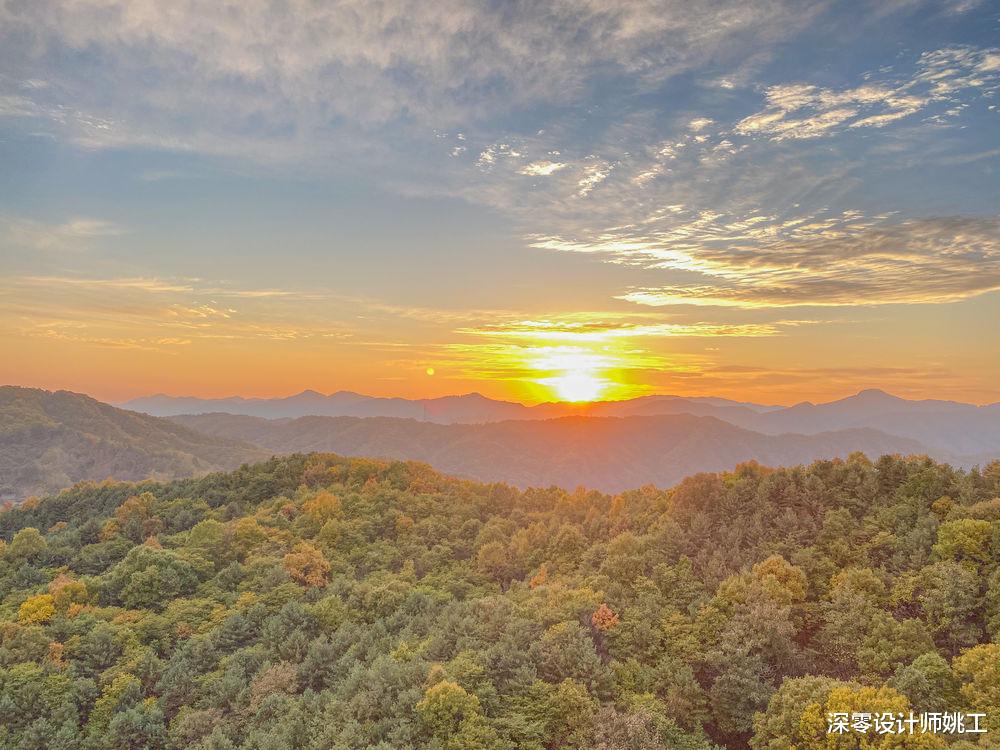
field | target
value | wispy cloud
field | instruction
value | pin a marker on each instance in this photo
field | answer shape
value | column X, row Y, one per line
column 848, row 259
column 594, row 329
column 742, row 213
column 801, row 110
column 257, row 84
column 541, row 168
column 74, row 234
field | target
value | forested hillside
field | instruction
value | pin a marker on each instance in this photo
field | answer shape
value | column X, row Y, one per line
column 322, row 602
column 50, row 440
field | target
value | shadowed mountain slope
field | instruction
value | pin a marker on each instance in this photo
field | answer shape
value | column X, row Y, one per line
column 49, row 441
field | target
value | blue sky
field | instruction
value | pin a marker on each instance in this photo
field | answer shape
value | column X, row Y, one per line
column 778, row 200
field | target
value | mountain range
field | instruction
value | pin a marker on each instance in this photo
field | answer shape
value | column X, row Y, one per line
column 610, row 454
column 955, row 431
column 51, row 440
column 470, row 408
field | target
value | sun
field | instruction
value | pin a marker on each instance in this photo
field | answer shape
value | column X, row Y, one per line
column 578, row 386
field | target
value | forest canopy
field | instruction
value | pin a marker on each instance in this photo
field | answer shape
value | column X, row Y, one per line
column 323, row 602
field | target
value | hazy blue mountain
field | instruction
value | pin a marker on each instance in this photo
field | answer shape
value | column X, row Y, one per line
column 470, row 408
column 605, row 453
column 947, row 426
column 951, row 428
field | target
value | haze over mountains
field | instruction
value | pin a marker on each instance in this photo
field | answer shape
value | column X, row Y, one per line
column 51, row 440
column 470, row 408
column 610, row 454
column 964, row 433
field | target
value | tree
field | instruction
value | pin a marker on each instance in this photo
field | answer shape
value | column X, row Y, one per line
column 26, row 545
column 614, row 730
column 568, row 712
column 947, row 593
column 454, row 717
column 741, row 689
column 322, row 507
column 604, row 619
column 929, row 683
column 140, row 727
column 37, row 610
column 208, row 538
column 493, row 559
column 307, row 565
column 150, row 578
column 966, row 541
column 796, row 717
column 671, row 619
column 121, row 693
column 979, row 670
column 137, row 519
column 276, row 679
column 567, row 651
column 67, row 591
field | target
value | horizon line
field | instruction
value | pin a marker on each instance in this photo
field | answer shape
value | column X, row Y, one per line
column 579, row 404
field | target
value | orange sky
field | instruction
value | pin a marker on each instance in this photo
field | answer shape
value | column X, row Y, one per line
column 120, row 340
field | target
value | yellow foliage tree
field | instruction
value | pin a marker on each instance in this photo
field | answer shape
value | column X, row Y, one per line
column 797, row 718
column 979, row 668
column 37, row 610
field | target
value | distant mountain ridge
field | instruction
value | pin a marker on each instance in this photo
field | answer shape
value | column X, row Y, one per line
column 469, row 408
column 52, row 440
column 610, row 454
column 948, row 428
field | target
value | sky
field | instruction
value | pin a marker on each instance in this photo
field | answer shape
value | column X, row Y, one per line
column 761, row 199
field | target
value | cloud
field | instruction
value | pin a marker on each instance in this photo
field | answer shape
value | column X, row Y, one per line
column 593, row 175
column 541, row 168
column 74, row 234
column 754, row 216
column 801, row 110
column 596, row 328
column 832, row 262
column 494, row 153
column 257, row 79
column 139, row 284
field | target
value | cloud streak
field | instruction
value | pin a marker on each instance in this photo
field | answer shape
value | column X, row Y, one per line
column 801, row 110
column 74, row 234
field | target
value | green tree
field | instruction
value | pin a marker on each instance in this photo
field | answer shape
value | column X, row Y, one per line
column 26, row 545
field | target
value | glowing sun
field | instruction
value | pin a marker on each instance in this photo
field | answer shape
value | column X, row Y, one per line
column 578, row 386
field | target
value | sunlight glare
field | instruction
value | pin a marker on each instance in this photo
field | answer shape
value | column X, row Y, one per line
column 578, row 386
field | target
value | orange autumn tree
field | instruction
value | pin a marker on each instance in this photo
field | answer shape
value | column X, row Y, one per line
column 322, row 507
column 307, row 565
column 604, row 619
